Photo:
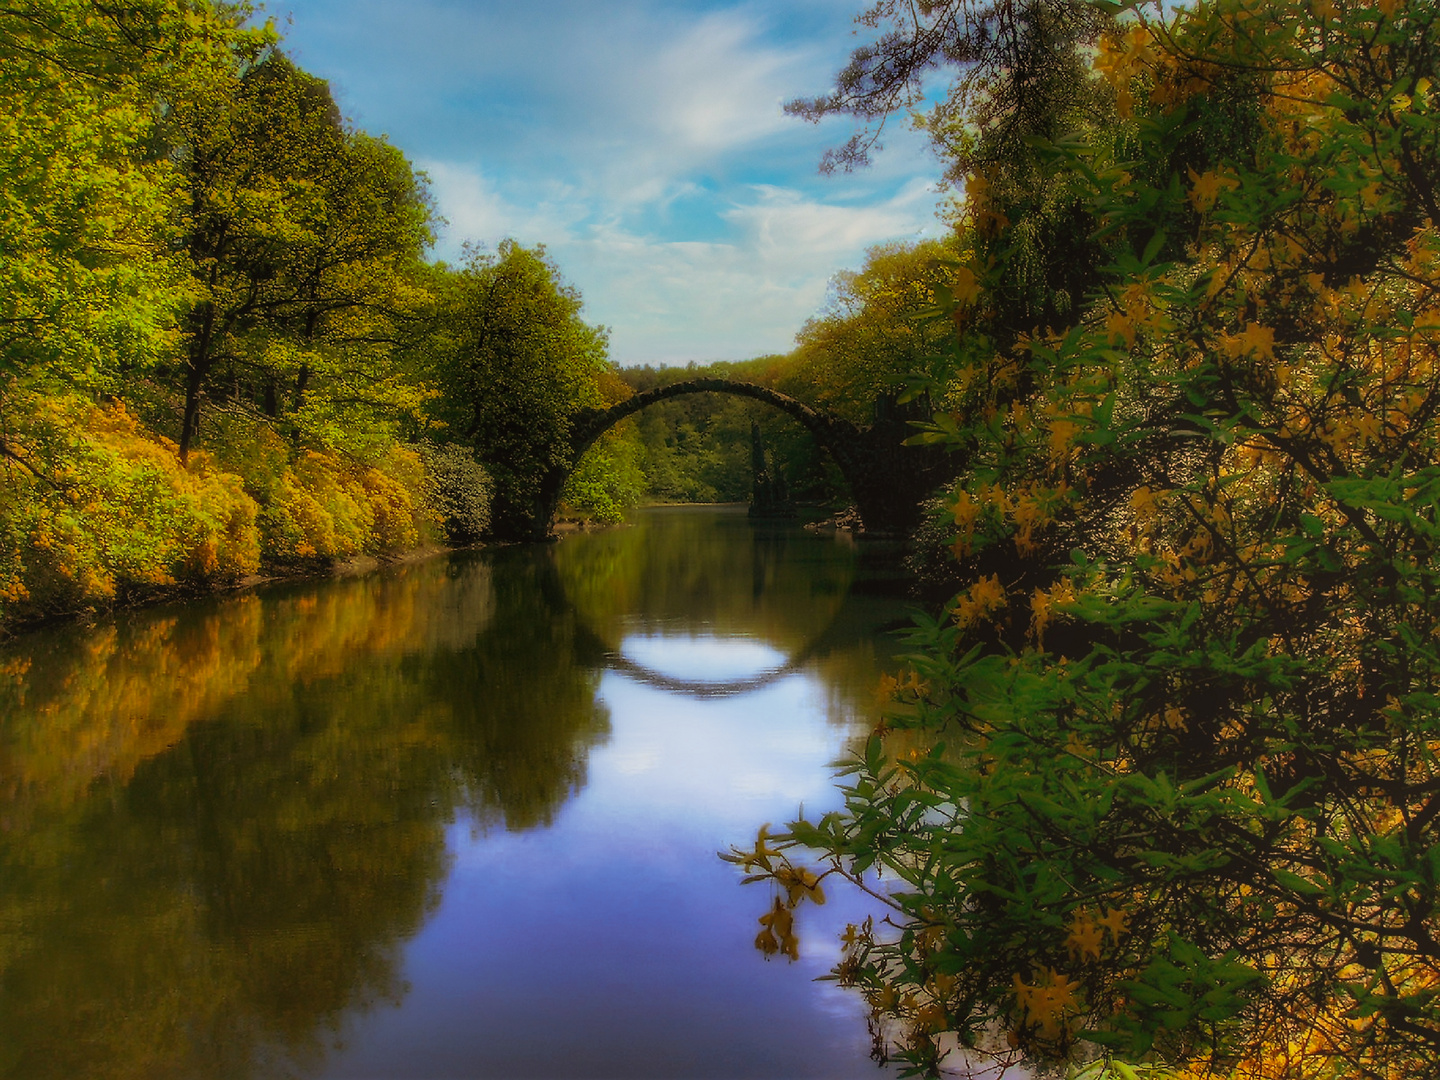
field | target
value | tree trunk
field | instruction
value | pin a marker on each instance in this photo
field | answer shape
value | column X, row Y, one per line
column 200, row 360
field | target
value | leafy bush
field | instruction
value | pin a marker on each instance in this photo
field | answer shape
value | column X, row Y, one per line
column 325, row 508
column 608, row 480
column 93, row 507
column 249, row 446
column 395, row 490
column 457, row 492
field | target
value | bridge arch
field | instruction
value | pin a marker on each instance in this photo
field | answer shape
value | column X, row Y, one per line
column 887, row 480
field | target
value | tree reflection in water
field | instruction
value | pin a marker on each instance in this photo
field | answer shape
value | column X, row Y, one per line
column 219, row 822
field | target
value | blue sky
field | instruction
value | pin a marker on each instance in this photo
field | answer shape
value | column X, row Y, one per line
column 642, row 141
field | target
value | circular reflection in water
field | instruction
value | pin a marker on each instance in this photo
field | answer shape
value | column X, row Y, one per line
column 703, row 665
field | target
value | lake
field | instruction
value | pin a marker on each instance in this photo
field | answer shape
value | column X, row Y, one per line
column 453, row 818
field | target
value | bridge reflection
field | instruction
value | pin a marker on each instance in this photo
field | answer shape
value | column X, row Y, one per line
column 701, row 689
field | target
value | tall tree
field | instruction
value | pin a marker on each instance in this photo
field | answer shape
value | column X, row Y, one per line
column 88, row 285
column 299, row 231
column 871, row 339
column 515, row 360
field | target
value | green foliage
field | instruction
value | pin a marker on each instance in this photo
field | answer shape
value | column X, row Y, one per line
column 95, row 509
column 697, row 448
column 1170, row 791
column 514, row 360
column 458, row 491
column 87, row 284
column 304, row 240
column 871, row 342
column 608, row 480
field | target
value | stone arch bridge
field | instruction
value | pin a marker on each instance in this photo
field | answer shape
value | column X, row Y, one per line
column 887, row 479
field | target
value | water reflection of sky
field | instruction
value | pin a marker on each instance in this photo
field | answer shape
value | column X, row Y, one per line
column 615, row 943
column 702, row 656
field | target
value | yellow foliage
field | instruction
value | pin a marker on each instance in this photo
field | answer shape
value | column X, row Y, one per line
column 1048, row 1003
column 1205, row 188
column 982, row 599
column 324, row 508
column 112, row 511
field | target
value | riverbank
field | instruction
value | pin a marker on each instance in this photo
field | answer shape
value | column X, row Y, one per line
column 138, row 598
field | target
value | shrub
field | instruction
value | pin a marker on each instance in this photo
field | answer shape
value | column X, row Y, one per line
column 250, row 447
column 608, row 480
column 393, row 524
column 324, row 507
column 458, row 492
column 102, row 508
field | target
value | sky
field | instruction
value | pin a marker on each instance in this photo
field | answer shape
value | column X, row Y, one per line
column 642, row 142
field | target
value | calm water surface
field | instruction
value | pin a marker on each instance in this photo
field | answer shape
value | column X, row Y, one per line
column 451, row 819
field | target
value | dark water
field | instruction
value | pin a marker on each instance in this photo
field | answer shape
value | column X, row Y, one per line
column 451, row 819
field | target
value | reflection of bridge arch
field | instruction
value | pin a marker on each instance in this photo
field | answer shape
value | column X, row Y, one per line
column 887, row 479
column 704, row 689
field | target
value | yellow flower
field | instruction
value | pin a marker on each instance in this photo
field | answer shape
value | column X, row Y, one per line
column 800, row 884
column 1048, row 1002
column 762, row 854
column 1115, row 921
column 966, row 509
column 1206, row 187
column 1120, row 326
column 965, row 286
column 981, row 599
column 1253, row 340
column 1061, row 433
column 1086, row 936
column 1145, row 503
column 778, row 933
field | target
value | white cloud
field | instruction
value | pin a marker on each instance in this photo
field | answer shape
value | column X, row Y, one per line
column 475, row 209
column 719, row 86
column 643, row 142
column 782, row 225
column 675, row 301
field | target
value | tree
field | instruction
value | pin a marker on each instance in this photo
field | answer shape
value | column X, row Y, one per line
column 304, row 240
column 1018, row 67
column 88, row 288
column 608, row 479
column 514, row 360
column 1176, row 794
column 869, row 344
